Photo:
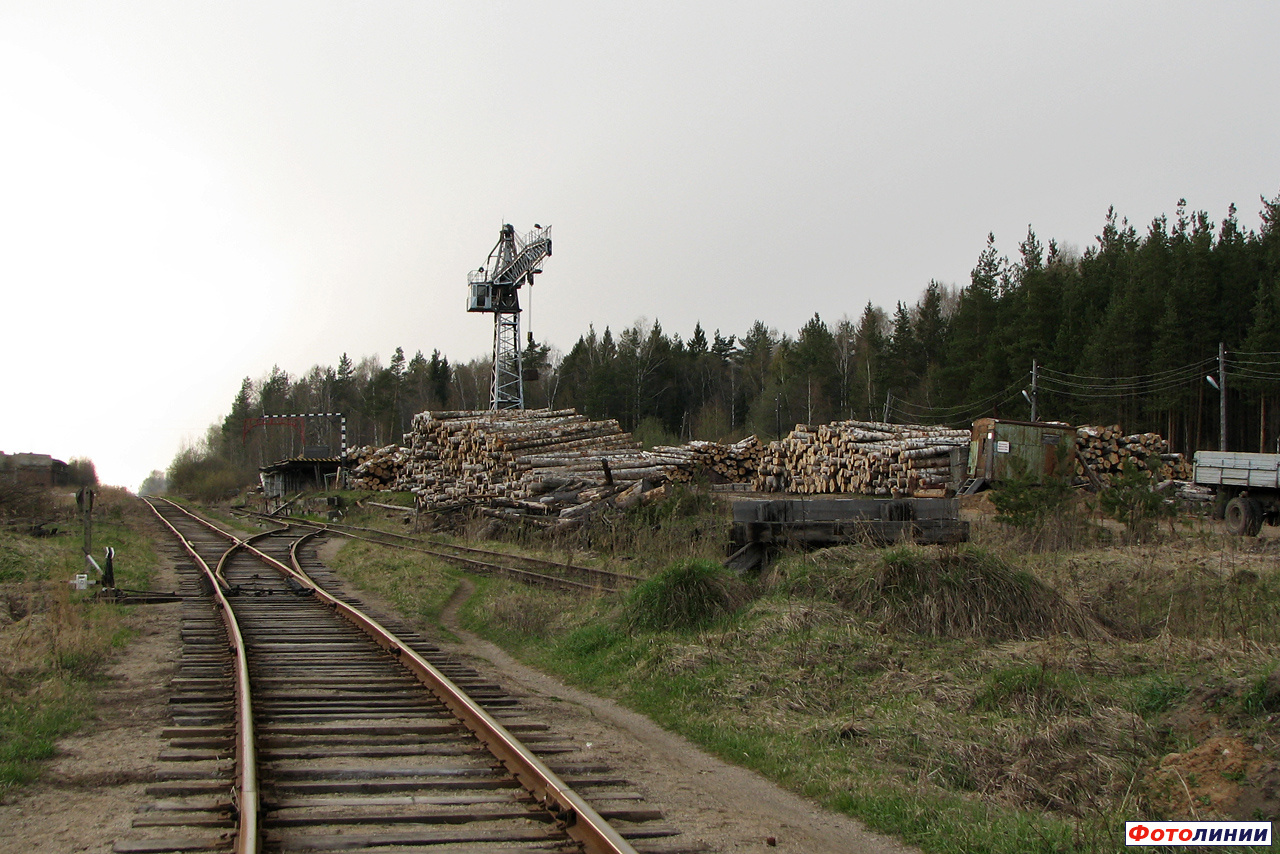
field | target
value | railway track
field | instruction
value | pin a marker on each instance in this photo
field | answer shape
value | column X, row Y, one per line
column 303, row 724
column 528, row 570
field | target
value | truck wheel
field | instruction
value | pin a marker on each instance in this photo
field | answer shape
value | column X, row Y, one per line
column 1220, row 502
column 1256, row 517
column 1244, row 516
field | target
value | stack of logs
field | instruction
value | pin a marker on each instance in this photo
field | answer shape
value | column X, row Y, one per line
column 544, row 462
column 555, row 466
column 718, row 463
column 376, row 469
column 1106, row 449
column 867, row 457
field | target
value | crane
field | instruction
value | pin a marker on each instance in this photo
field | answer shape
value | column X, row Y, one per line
column 494, row 289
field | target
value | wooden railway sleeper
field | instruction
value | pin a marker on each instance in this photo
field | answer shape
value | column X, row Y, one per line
column 579, row 820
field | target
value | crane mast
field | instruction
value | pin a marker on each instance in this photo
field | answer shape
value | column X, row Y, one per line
column 494, row 289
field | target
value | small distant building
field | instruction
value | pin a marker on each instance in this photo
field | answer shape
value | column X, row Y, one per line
column 299, row 474
column 32, row 470
column 1002, row 449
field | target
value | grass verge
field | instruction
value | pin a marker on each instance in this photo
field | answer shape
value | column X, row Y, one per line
column 1038, row 737
column 994, row 699
column 53, row 640
column 415, row 584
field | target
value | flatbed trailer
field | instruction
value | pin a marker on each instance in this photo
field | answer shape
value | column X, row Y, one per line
column 762, row 526
column 1247, row 487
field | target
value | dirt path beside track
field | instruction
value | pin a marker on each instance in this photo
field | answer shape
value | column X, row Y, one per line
column 722, row 806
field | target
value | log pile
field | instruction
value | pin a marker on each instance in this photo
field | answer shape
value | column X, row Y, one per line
column 538, row 462
column 555, row 466
column 866, row 457
column 375, row 469
column 1105, row 450
column 714, row 461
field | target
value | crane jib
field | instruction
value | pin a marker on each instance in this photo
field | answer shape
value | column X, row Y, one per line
column 528, row 258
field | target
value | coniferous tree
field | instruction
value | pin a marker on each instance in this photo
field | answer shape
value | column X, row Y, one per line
column 930, row 327
column 870, row 349
column 815, row 376
column 973, row 366
column 441, row 377
column 904, row 356
column 1262, row 343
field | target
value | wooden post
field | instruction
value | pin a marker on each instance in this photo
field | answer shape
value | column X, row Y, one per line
column 1222, row 396
column 84, row 500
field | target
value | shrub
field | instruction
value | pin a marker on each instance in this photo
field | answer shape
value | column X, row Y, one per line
column 24, row 501
column 651, row 431
column 1048, row 513
column 1132, row 500
column 687, row 594
column 958, row 592
column 1023, row 503
column 204, row 476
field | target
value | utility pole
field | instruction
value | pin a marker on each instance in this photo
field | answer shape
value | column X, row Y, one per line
column 1222, row 396
column 1035, row 367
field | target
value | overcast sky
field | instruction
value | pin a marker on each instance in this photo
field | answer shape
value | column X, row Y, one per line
column 192, row 192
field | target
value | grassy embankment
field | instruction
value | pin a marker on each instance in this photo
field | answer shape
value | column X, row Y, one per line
column 54, row 641
column 1017, row 695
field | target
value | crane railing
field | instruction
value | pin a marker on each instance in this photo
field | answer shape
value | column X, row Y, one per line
column 530, row 249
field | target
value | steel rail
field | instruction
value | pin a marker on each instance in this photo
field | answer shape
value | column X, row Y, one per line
column 245, row 794
column 339, row 528
column 342, row 528
column 618, row 578
column 227, row 555
column 579, row 819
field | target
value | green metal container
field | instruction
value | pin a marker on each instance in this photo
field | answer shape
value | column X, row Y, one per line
column 999, row 450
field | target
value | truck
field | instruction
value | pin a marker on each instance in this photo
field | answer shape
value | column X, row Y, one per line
column 1247, row 487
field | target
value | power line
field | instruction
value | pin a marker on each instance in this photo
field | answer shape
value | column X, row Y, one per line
column 1254, row 373
column 965, row 412
column 1195, row 366
column 1253, row 361
column 1115, row 390
column 1086, row 387
column 964, row 407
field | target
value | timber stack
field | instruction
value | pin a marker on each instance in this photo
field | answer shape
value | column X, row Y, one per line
column 375, row 469
column 1106, row 449
column 714, row 461
column 864, row 457
column 529, row 462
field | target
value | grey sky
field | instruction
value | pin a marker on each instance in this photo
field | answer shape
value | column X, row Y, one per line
column 192, row 192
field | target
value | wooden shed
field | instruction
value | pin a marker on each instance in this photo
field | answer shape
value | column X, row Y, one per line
column 299, row 474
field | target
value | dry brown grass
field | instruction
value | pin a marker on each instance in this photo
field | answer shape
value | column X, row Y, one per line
column 957, row 592
column 977, row 675
column 54, row 635
column 1079, row 764
column 524, row 610
column 1194, row 586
